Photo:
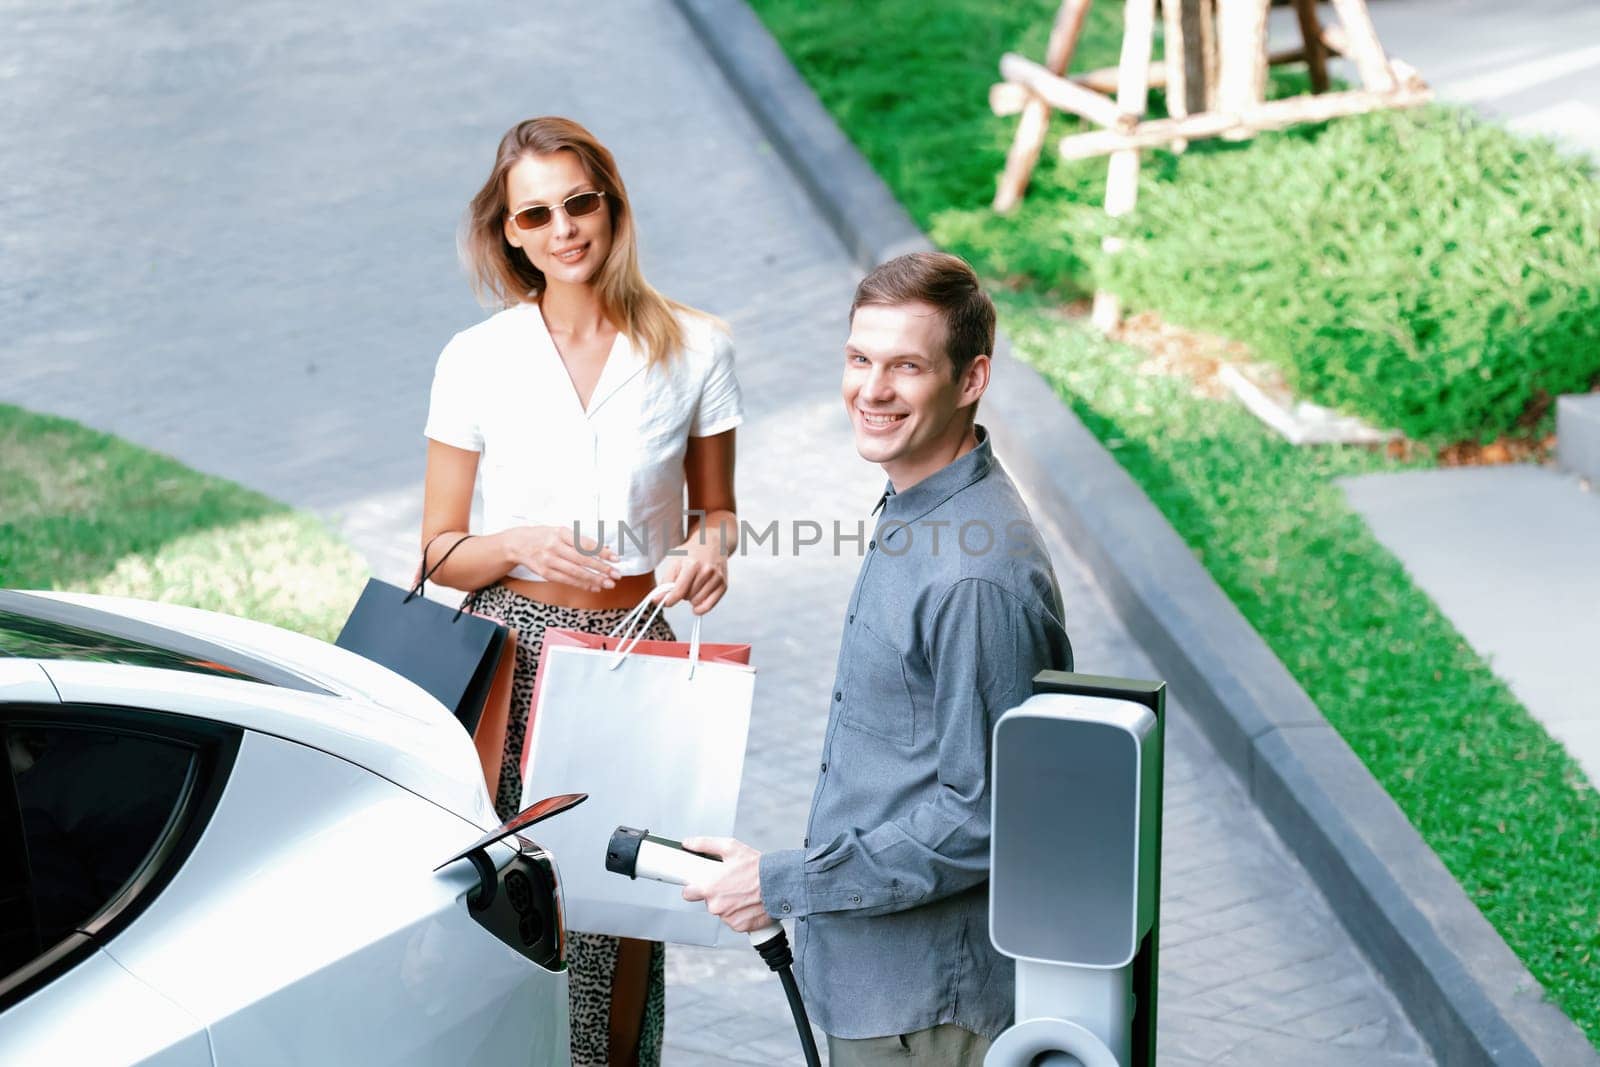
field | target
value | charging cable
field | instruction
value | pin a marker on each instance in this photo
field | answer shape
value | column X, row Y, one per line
column 640, row 854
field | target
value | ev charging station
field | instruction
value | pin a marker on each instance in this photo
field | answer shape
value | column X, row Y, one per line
column 1075, row 870
column 1074, row 878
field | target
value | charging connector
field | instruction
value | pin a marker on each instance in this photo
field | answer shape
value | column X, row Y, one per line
column 641, row 854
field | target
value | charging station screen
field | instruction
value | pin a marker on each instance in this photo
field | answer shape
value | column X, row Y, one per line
column 1065, row 841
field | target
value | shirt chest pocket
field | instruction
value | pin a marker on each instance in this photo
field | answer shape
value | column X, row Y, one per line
column 877, row 699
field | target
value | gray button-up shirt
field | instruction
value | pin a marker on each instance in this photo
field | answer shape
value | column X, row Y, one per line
column 956, row 608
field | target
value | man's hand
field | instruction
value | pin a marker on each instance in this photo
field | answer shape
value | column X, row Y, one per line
column 735, row 897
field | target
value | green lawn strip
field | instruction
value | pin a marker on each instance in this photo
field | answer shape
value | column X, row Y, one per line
column 1502, row 805
column 86, row 512
column 1430, row 272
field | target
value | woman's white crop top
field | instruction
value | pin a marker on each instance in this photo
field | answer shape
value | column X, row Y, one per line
column 616, row 469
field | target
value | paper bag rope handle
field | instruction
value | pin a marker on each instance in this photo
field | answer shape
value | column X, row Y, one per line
column 420, row 589
column 634, row 625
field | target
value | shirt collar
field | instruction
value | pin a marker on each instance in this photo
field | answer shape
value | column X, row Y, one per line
column 917, row 500
column 623, row 364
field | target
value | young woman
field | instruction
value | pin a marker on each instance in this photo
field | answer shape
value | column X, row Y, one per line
column 587, row 405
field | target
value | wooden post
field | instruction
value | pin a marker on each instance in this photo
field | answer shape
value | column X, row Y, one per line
column 1273, row 115
column 1365, row 50
column 1316, row 51
column 1199, row 54
column 1035, row 122
column 1407, row 76
column 1122, row 175
column 1174, row 50
column 1009, row 98
column 1242, row 56
column 1063, row 94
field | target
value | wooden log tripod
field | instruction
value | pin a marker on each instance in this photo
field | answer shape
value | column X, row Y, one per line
column 1215, row 76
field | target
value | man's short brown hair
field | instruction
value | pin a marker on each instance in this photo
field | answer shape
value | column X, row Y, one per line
column 948, row 284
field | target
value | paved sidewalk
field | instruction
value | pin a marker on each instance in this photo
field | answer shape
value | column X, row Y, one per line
column 1508, row 554
column 227, row 234
column 1534, row 65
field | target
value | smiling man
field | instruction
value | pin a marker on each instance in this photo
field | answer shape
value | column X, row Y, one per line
column 955, row 610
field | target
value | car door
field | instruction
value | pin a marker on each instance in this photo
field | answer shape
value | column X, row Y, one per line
column 98, row 1014
column 309, row 927
column 97, row 808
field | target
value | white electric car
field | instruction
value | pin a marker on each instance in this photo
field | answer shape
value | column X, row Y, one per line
column 218, row 844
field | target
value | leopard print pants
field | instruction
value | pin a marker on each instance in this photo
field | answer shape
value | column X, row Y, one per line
column 591, row 958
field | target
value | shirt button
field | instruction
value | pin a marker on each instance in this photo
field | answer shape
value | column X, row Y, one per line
column 784, row 907
column 805, row 842
column 872, row 546
column 838, row 695
column 852, row 616
column 855, row 898
column 801, row 919
column 824, row 766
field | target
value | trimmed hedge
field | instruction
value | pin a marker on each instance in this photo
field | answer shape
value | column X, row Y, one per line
column 1428, row 272
column 1431, row 272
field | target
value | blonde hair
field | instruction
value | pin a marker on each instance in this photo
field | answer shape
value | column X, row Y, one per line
column 502, row 274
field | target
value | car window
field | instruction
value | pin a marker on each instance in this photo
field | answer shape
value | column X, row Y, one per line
column 88, row 807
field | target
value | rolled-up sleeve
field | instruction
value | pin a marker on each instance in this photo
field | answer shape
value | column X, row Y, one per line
column 983, row 645
column 720, row 407
column 454, row 400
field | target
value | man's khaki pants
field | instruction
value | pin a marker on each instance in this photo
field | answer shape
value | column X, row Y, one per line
column 939, row 1046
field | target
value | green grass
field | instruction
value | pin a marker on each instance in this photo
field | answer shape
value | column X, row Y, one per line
column 1431, row 273
column 86, row 512
column 1502, row 805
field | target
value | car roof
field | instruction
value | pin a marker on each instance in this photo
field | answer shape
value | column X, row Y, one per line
column 259, row 677
column 45, row 627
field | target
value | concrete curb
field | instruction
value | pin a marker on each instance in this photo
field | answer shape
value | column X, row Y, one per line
column 1466, row 992
column 1578, row 434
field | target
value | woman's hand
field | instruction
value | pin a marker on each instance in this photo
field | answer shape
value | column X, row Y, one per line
column 698, row 572
column 553, row 554
column 698, row 568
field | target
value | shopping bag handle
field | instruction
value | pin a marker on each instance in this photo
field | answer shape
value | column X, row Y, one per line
column 624, row 629
column 634, row 625
column 420, row 589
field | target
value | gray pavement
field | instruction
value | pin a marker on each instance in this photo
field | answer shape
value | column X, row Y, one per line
column 1578, row 434
column 1534, row 65
column 1509, row 555
column 227, row 234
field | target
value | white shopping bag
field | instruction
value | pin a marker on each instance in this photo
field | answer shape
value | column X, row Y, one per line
column 654, row 732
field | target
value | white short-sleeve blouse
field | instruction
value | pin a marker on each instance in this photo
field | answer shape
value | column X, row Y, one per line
column 615, row 469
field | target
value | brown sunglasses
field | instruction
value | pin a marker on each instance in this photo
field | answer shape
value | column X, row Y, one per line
column 576, row 205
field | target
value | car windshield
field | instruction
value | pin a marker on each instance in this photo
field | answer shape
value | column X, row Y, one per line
column 35, row 627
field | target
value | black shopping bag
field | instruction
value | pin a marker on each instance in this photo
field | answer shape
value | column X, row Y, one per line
column 449, row 652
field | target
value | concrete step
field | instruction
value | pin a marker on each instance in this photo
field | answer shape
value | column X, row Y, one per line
column 1578, row 435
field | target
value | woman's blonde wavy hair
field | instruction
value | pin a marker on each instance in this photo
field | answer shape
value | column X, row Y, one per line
column 501, row 274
